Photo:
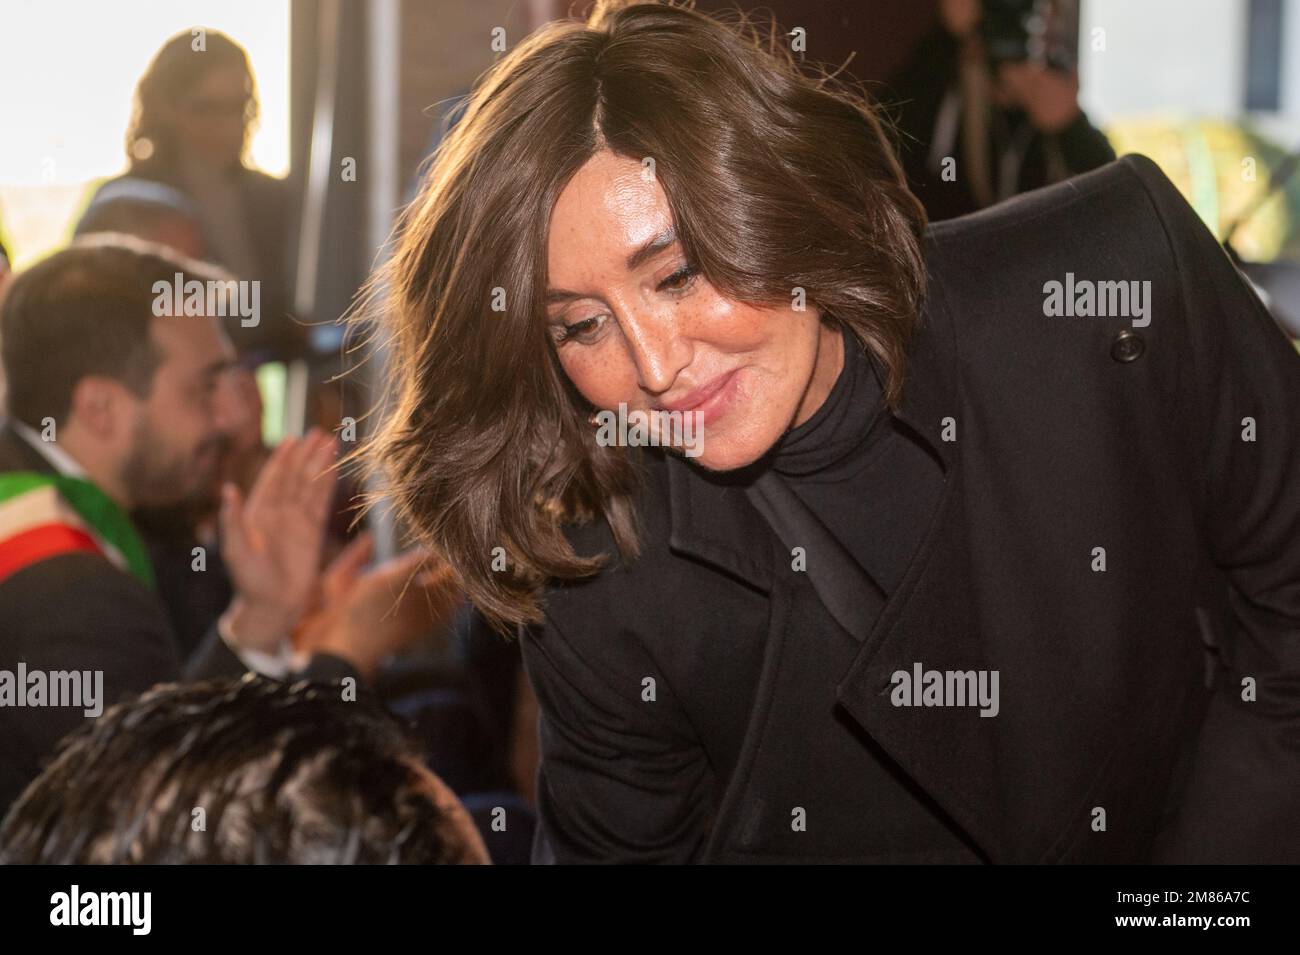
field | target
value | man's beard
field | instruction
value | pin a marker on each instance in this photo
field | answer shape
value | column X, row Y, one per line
column 156, row 480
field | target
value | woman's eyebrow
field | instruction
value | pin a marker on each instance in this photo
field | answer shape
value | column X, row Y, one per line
column 652, row 248
column 647, row 250
column 556, row 295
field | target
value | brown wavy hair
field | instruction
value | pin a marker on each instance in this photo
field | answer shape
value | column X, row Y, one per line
column 775, row 180
column 175, row 70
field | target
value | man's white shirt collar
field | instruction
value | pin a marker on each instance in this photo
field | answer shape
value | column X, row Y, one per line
column 59, row 459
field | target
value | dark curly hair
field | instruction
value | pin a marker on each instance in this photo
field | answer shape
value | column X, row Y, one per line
column 282, row 773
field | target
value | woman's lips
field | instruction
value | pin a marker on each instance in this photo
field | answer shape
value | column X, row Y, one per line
column 707, row 401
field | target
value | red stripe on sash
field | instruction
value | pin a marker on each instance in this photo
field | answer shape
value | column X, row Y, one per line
column 38, row 543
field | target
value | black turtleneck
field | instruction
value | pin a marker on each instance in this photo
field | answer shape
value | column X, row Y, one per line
column 853, row 469
column 834, row 440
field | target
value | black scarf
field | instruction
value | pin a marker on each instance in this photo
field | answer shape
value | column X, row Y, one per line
column 830, row 446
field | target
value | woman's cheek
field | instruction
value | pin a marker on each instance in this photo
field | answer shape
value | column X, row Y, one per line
column 596, row 373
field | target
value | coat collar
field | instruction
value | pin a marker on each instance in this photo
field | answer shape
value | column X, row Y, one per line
column 927, row 619
column 711, row 519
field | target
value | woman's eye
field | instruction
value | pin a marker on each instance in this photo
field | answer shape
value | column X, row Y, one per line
column 679, row 281
column 583, row 331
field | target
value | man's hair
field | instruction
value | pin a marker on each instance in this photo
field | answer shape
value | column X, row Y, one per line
column 254, row 771
column 777, row 180
column 85, row 310
column 136, row 207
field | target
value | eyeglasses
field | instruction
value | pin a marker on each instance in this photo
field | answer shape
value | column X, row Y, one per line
column 209, row 107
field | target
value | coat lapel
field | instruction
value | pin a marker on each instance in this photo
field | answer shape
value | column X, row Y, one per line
column 713, row 522
column 929, row 619
column 949, row 751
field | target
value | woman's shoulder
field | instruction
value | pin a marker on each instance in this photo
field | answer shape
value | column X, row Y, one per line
column 1069, row 263
column 1090, row 206
column 1101, row 298
column 591, row 608
column 591, row 535
column 262, row 186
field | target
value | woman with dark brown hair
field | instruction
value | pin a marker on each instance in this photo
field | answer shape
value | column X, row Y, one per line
column 828, row 536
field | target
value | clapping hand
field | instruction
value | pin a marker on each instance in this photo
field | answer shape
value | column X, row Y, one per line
column 272, row 542
column 365, row 616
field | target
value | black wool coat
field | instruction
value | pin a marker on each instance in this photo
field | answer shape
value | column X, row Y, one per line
column 698, row 704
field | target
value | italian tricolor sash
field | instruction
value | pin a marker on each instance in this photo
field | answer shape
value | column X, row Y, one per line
column 44, row 515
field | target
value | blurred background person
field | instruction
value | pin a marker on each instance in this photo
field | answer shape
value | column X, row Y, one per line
column 195, row 108
column 194, row 601
column 988, row 105
column 114, row 407
column 162, row 214
column 282, row 774
column 147, row 210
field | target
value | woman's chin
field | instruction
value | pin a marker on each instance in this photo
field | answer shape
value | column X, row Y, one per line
column 723, row 455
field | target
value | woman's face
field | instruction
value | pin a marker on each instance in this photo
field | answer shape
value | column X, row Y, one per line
column 209, row 120
column 635, row 325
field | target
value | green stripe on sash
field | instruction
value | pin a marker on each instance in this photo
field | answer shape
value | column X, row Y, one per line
column 95, row 507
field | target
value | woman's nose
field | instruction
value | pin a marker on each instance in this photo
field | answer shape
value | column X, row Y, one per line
column 658, row 349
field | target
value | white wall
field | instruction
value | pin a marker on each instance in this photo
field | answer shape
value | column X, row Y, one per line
column 1185, row 56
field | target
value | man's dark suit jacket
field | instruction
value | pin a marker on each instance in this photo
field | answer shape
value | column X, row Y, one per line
column 1127, row 730
column 78, row 611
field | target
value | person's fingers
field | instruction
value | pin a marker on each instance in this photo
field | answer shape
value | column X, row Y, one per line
column 347, row 565
column 324, row 478
column 441, row 597
column 321, row 455
column 399, row 576
column 287, row 486
column 301, row 487
column 234, row 541
column 267, row 488
column 390, row 610
column 1012, row 76
column 355, row 554
column 300, row 457
column 405, row 566
column 433, row 589
column 291, row 481
column 435, row 574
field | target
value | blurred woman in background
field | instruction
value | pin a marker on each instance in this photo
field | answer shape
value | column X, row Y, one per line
column 195, row 110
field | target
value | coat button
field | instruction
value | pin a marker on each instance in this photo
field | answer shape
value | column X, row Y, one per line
column 1127, row 346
